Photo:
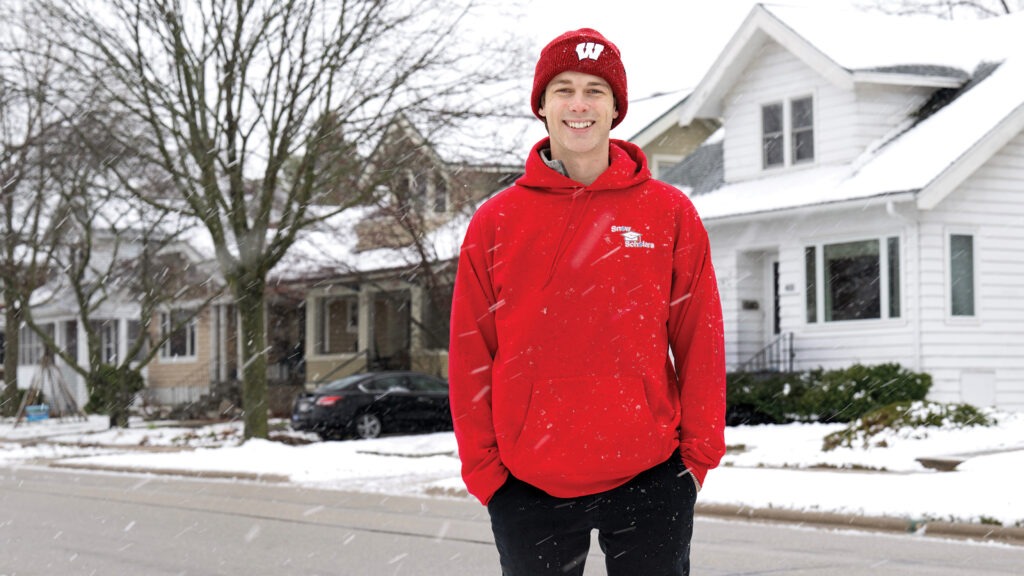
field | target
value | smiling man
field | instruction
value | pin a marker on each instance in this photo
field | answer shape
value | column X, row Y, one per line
column 586, row 366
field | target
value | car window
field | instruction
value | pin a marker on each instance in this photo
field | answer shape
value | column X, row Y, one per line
column 425, row 383
column 390, row 383
column 342, row 383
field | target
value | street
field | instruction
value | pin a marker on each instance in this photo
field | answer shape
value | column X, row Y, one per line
column 72, row 522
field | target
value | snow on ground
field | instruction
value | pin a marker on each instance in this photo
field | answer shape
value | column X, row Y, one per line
column 766, row 467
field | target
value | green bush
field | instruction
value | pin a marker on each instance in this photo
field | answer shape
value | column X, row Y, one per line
column 111, row 391
column 906, row 414
column 764, row 398
column 846, row 394
column 820, row 395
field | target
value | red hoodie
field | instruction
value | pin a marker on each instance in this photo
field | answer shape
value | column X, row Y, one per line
column 570, row 303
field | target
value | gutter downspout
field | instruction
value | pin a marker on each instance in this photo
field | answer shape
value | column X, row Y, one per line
column 914, row 225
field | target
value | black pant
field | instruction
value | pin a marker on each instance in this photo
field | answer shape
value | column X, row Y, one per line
column 644, row 526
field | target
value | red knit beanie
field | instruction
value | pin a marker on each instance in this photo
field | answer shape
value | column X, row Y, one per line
column 584, row 50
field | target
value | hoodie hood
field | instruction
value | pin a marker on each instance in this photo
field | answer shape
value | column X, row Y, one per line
column 627, row 168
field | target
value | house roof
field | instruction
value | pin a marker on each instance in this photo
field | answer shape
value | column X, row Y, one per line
column 929, row 157
column 849, row 46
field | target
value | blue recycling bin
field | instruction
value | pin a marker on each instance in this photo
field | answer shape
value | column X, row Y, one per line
column 37, row 412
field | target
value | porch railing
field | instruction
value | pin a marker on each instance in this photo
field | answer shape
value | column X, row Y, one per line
column 777, row 356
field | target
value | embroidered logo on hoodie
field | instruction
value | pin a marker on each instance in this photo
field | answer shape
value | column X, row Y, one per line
column 632, row 239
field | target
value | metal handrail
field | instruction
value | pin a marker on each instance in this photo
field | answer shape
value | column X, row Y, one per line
column 777, row 356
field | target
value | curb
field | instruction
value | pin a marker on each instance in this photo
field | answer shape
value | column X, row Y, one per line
column 890, row 524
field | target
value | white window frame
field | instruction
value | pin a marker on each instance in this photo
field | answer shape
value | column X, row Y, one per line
column 427, row 203
column 31, row 346
column 788, row 132
column 884, row 281
column 191, row 336
column 948, row 275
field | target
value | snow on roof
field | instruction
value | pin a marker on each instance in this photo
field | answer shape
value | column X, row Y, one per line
column 329, row 248
column 858, row 40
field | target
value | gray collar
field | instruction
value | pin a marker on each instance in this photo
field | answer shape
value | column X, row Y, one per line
column 556, row 165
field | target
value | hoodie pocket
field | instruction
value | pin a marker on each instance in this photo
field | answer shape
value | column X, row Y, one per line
column 588, row 428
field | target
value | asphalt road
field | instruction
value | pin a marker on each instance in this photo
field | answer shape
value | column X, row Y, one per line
column 72, row 522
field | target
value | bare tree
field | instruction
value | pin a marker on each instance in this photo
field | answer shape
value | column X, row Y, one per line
column 948, row 9
column 112, row 252
column 232, row 92
column 27, row 115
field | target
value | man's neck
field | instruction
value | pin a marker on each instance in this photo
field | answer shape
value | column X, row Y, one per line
column 582, row 168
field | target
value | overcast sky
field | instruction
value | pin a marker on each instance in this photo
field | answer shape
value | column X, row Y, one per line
column 654, row 36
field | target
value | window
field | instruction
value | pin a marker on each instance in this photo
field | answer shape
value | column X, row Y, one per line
column 772, row 135
column 71, row 339
column 134, row 333
column 811, row 285
column 418, row 184
column 336, row 324
column 794, row 122
column 441, row 196
column 179, row 327
column 801, row 113
column 424, row 383
column 961, row 274
column 352, row 317
column 853, row 280
column 425, row 190
column 31, row 346
column 436, row 313
column 108, row 341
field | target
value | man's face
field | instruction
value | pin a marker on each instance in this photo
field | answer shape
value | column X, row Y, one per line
column 578, row 109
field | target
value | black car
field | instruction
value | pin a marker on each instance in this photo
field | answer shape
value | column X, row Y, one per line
column 367, row 405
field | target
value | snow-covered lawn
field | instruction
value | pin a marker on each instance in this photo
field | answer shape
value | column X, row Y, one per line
column 766, row 467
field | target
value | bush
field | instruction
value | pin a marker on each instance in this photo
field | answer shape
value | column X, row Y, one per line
column 819, row 395
column 111, row 391
column 905, row 415
column 846, row 394
column 763, row 398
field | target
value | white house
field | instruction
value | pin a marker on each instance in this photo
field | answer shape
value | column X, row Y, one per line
column 865, row 194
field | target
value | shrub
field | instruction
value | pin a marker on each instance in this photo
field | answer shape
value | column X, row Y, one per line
column 111, row 390
column 763, row 398
column 905, row 415
column 849, row 393
column 819, row 395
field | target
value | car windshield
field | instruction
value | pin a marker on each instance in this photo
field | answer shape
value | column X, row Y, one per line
column 341, row 384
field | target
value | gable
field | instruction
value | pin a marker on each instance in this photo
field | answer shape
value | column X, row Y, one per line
column 834, row 43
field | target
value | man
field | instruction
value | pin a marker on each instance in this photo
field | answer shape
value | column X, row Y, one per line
column 586, row 363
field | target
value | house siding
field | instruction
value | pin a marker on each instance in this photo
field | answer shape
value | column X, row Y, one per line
column 174, row 381
column 982, row 357
column 979, row 359
column 846, row 122
column 743, row 271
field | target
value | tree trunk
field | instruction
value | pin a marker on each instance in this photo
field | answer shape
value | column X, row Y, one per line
column 249, row 294
column 12, row 346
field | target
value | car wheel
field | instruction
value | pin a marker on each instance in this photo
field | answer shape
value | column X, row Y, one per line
column 368, row 426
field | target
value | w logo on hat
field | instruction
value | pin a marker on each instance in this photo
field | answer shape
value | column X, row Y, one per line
column 590, row 50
